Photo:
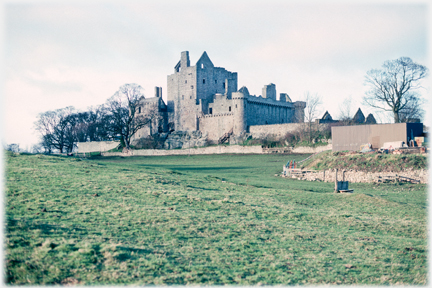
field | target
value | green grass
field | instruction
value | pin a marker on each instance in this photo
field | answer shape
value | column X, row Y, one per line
column 366, row 162
column 210, row 219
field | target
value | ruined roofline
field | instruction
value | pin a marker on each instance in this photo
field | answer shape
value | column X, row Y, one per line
column 266, row 101
column 204, row 56
column 270, row 102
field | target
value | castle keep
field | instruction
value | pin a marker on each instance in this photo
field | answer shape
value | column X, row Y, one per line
column 206, row 98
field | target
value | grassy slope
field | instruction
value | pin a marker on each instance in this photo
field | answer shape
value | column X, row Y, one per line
column 204, row 219
column 366, row 162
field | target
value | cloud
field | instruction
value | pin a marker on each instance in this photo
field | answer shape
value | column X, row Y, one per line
column 79, row 54
column 329, row 34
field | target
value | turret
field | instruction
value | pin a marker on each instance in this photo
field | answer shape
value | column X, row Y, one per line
column 299, row 111
column 239, row 109
column 269, row 91
column 283, row 97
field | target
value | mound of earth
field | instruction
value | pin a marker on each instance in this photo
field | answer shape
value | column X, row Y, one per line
column 366, row 162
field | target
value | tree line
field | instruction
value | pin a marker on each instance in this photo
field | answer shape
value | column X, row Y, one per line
column 118, row 119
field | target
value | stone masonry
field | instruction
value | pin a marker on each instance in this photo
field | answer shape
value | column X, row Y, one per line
column 360, row 176
column 206, row 98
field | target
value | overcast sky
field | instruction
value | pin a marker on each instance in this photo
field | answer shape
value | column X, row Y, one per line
column 79, row 54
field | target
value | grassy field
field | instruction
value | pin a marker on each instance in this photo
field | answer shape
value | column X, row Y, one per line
column 216, row 219
column 372, row 162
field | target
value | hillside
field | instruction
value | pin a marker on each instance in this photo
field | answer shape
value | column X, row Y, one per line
column 366, row 162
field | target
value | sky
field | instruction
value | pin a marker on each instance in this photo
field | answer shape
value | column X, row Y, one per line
column 59, row 54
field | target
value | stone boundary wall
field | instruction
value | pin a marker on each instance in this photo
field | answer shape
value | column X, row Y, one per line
column 358, row 176
column 234, row 149
column 231, row 149
column 304, row 150
column 96, row 146
column 276, row 130
column 280, row 130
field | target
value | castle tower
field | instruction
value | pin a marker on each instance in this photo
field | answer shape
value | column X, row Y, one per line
column 239, row 103
column 191, row 88
column 269, row 91
column 299, row 107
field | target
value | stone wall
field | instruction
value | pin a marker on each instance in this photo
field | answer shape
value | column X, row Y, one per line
column 221, row 104
column 216, row 125
column 275, row 130
column 280, row 130
column 221, row 149
column 185, row 139
column 307, row 150
column 359, row 176
column 263, row 111
column 96, row 146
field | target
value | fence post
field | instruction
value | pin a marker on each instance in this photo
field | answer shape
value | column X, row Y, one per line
column 336, row 182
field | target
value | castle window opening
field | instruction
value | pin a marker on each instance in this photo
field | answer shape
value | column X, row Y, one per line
column 190, row 97
column 139, row 109
column 203, row 81
column 223, row 84
column 191, row 86
column 236, row 105
column 185, row 81
column 211, row 110
column 229, row 108
column 202, row 65
column 215, row 81
column 182, row 97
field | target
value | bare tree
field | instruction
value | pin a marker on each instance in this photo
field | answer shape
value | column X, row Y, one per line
column 37, row 148
column 122, row 119
column 392, row 88
column 345, row 110
column 313, row 102
column 412, row 110
column 56, row 129
column 89, row 125
column 13, row 148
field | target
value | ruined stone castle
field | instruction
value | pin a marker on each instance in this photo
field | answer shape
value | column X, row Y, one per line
column 204, row 99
